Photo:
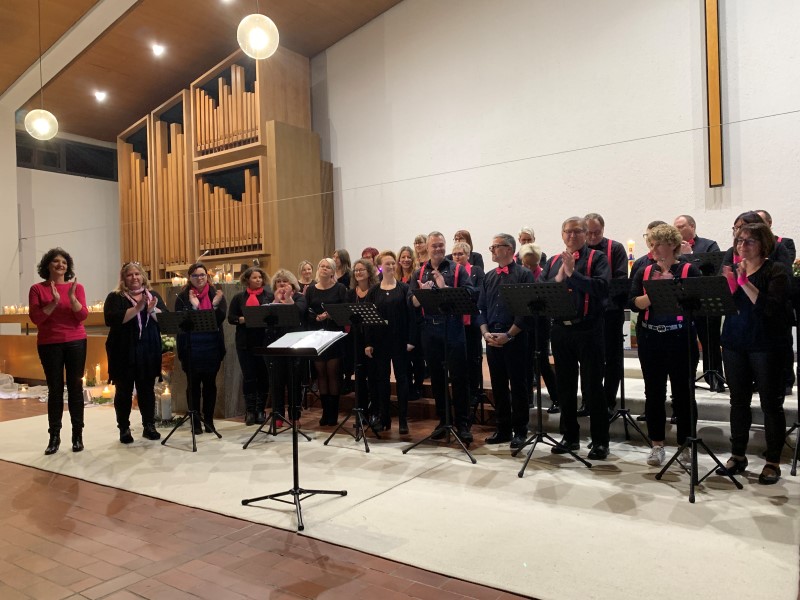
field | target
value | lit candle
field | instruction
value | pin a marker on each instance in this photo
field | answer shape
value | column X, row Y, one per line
column 216, row 278
column 106, row 393
column 83, row 379
column 631, row 246
column 97, row 374
column 228, row 277
column 166, row 405
column 12, row 310
column 184, row 281
column 176, row 281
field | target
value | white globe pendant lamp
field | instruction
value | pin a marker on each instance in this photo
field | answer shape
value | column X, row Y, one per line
column 40, row 123
column 258, row 36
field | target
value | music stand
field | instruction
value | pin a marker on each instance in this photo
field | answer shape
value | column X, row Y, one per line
column 703, row 297
column 357, row 316
column 448, row 303
column 546, row 299
column 283, row 348
column 618, row 294
column 710, row 265
column 188, row 321
column 272, row 317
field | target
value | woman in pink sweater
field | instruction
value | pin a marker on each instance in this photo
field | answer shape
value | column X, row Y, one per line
column 58, row 308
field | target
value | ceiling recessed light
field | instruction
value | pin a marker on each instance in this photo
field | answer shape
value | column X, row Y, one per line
column 158, row 49
column 101, row 96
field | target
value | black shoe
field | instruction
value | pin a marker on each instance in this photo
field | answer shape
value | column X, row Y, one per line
column 209, row 426
column 770, row 475
column 641, row 418
column 77, row 441
column 717, row 387
column 598, row 452
column 498, row 438
column 564, row 447
column 403, row 428
column 465, row 435
column 150, row 432
column 439, row 433
column 554, row 409
column 249, row 418
column 53, row 444
column 518, row 441
column 734, row 466
column 125, row 436
column 583, row 411
column 260, row 417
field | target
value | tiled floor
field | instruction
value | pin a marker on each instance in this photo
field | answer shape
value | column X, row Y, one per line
column 65, row 538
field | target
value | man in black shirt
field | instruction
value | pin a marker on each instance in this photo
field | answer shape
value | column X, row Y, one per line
column 614, row 316
column 505, row 344
column 579, row 340
column 438, row 273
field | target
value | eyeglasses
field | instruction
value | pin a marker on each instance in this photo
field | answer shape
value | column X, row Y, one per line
column 359, row 270
column 493, row 247
column 198, row 275
column 569, row 232
column 745, row 241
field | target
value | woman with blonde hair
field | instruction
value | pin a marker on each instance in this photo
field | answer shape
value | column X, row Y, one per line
column 255, row 377
column 421, row 248
column 475, row 259
column 133, row 348
column 305, row 275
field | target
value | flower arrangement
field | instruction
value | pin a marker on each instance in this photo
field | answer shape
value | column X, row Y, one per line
column 796, row 267
column 167, row 344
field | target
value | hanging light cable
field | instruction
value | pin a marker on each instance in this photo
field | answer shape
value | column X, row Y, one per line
column 39, row 123
column 258, row 35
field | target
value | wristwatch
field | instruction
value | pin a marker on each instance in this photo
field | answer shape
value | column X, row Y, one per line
column 509, row 336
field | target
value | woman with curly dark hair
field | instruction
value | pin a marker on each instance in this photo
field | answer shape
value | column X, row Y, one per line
column 58, row 309
column 133, row 348
column 255, row 378
column 207, row 348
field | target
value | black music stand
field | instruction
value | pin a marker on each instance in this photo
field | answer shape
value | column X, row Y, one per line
column 272, row 317
column 618, row 293
column 297, row 493
column 702, row 297
column 547, row 299
column 710, row 265
column 448, row 303
column 189, row 321
column 357, row 316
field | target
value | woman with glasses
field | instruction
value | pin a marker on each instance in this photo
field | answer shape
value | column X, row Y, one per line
column 754, row 342
column 58, row 309
column 461, row 254
column 732, row 258
column 462, row 235
column 201, row 353
column 365, row 275
column 133, row 348
column 255, row 378
column 328, row 365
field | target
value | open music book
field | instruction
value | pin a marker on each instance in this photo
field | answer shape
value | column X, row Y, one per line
column 319, row 341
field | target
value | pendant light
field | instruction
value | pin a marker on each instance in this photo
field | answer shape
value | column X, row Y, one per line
column 39, row 123
column 258, row 35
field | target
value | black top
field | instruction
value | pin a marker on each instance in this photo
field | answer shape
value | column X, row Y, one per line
column 302, row 309
column 765, row 325
column 208, row 347
column 594, row 285
column 638, row 289
column 124, row 339
column 641, row 262
column 448, row 270
column 247, row 338
column 788, row 245
column 344, row 280
column 315, row 298
column 475, row 259
column 394, row 309
column 494, row 312
column 619, row 257
column 704, row 245
column 476, row 276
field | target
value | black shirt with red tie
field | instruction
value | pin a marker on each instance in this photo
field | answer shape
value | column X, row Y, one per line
column 493, row 309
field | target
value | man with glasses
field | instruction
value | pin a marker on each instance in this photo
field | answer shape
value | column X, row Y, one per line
column 614, row 317
column 439, row 273
column 708, row 329
column 505, row 344
column 578, row 341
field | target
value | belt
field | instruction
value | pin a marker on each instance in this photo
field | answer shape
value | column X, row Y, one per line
column 662, row 328
column 569, row 323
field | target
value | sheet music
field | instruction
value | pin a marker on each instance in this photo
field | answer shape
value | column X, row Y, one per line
column 318, row 340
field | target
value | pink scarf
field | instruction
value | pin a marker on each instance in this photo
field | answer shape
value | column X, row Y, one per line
column 148, row 298
column 202, row 296
column 252, row 296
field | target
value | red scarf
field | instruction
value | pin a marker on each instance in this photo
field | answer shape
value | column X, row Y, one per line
column 202, row 296
column 252, row 296
column 536, row 272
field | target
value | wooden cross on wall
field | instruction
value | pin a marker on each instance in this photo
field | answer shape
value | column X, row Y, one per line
column 713, row 95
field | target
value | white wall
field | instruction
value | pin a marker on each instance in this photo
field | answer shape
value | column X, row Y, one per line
column 78, row 214
column 488, row 116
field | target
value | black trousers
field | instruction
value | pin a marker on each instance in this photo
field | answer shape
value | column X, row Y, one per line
column 545, row 368
column 507, row 370
column 255, row 375
column 145, row 393
column 474, row 347
column 612, row 373
column 416, row 368
column 767, row 370
column 386, row 358
column 203, row 384
column 666, row 356
column 56, row 359
column 579, row 349
column 281, row 384
column 433, row 343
